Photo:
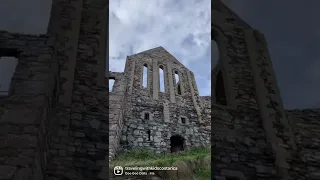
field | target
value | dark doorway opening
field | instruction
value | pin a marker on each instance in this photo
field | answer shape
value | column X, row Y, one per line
column 177, row 143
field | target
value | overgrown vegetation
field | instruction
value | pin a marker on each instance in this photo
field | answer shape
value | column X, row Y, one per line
column 143, row 157
column 203, row 173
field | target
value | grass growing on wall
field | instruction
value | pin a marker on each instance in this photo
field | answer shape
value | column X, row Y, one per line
column 143, row 157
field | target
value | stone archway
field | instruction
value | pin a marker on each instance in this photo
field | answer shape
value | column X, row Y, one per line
column 177, row 143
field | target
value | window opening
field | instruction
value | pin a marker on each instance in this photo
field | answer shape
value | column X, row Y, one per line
column 111, row 83
column 149, row 135
column 220, row 91
column 8, row 63
column 183, row 120
column 146, row 116
column 214, row 53
column 145, row 76
column 178, row 83
column 161, row 79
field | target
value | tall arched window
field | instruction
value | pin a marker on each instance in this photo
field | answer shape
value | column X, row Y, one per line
column 177, row 83
column 220, row 91
column 145, row 76
column 161, row 79
column 214, row 54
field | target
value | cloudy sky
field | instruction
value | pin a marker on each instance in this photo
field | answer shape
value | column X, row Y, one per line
column 183, row 28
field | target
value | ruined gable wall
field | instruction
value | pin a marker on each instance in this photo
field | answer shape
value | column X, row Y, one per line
column 25, row 119
column 251, row 83
column 239, row 145
column 80, row 148
column 306, row 128
column 165, row 109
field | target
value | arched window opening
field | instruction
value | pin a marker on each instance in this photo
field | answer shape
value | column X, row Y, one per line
column 220, row 91
column 214, row 53
column 8, row 64
column 145, row 76
column 111, row 83
column 177, row 143
column 177, row 83
column 161, row 79
column 146, row 116
column 149, row 135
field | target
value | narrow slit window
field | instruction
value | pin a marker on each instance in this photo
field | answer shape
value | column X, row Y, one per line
column 183, row 120
column 149, row 135
column 178, row 83
column 146, row 116
column 220, row 91
column 161, row 74
column 145, row 76
column 111, row 83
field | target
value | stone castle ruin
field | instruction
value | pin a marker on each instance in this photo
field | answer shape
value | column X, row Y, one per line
column 170, row 120
column 55, row 125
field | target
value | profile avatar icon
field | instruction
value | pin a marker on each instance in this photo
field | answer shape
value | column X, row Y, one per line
column 118, row 170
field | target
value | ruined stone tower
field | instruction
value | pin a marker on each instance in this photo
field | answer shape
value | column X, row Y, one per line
column 54, row 123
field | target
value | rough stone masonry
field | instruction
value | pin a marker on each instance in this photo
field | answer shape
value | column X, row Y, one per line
column 54, row 123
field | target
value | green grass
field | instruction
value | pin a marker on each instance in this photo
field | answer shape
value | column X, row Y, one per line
column 143, row 157
column 203, row 173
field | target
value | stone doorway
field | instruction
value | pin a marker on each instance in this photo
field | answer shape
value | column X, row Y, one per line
column 177, row 143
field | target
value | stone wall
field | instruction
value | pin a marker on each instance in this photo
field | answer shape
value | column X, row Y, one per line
column 116, row 111
column 170, row 113
column 80, row 144
column 251, row 86
column 306, row 128
column 206, row 111
column 235, row 67
column 25, row 115
column 239, row 147
column 136, row 127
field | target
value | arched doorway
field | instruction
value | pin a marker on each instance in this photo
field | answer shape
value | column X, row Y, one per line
column 177, row 143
